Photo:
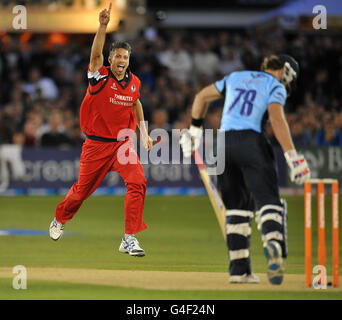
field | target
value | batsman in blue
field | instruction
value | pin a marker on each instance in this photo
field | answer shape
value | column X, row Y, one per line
column 249, row 184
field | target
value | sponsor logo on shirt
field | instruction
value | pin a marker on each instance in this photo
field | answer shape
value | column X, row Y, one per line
column 124, row 98
column 121, row 100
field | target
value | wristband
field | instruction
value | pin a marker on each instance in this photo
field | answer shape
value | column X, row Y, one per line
column 197, row 122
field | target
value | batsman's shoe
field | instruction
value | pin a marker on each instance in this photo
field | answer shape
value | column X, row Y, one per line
column 275, row 272
column 131, row 246
column 56, row 230
column 245, row 278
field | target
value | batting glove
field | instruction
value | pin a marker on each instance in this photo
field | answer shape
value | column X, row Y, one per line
column 190, row 140
column 299, row 169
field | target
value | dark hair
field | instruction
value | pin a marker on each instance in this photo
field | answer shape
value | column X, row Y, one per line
column 272, row 62
column 120, row 44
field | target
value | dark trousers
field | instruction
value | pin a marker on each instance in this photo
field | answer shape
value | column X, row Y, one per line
column 248, row 183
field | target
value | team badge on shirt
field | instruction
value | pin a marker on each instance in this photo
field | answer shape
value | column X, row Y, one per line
column 132, row 87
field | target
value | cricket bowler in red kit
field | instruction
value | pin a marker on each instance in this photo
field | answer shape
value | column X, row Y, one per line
column 110, row 107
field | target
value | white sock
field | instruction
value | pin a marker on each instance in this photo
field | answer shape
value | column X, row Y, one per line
column 127, row 235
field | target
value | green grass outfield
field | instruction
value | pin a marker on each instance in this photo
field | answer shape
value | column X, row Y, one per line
column 182, row 236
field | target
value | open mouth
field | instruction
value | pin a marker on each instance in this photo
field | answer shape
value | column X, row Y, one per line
column 120, row 67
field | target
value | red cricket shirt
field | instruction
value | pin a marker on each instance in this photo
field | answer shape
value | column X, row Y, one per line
column 107, row 106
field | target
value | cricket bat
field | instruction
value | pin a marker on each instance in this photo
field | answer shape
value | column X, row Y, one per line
column 214, row 196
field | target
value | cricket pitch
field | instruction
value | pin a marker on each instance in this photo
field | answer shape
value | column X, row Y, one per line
column 159, row 280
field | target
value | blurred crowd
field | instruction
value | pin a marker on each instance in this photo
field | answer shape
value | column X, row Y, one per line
column 43, row 81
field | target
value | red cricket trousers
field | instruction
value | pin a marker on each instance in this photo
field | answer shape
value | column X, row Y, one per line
column 97, row 159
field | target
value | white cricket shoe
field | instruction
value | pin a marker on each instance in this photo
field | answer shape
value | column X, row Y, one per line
column 245, row 278
column 56, row 230
column 276, row 268
column 130, row 245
